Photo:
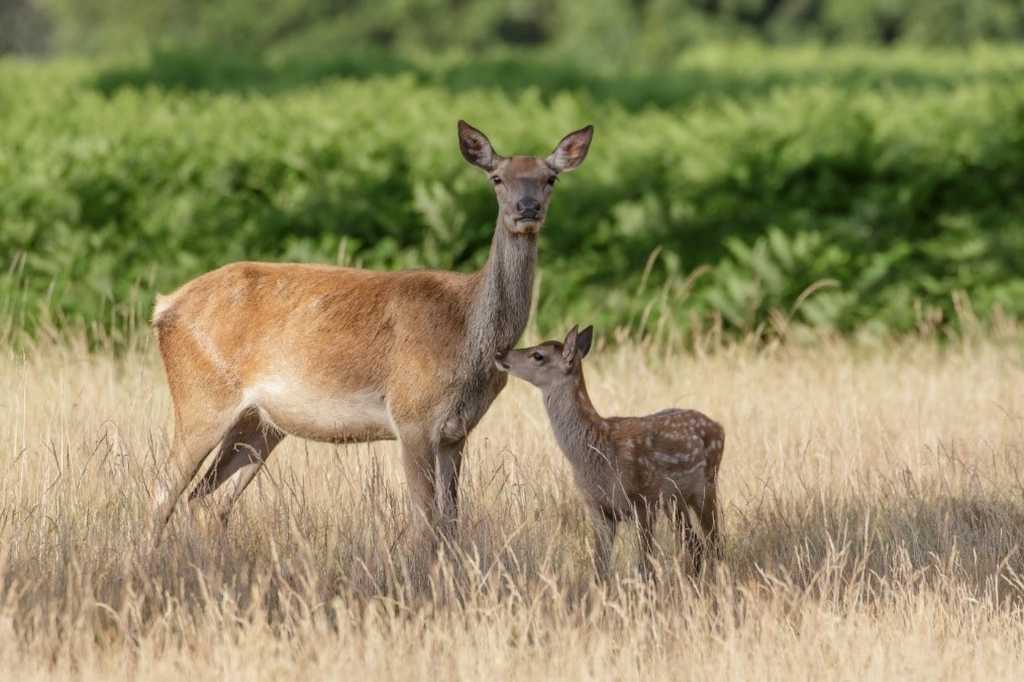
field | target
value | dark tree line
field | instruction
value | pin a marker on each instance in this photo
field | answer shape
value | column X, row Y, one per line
column 643, row 30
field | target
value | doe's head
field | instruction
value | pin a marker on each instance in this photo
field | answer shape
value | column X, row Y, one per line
column 550, row 363
column 523, row 184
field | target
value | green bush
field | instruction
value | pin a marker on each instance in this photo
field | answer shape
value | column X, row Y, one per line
column 900, row 196
column 698, row 75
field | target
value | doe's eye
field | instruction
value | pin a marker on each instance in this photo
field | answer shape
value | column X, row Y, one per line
column 495, row 180
column 552, row 180
column 539, row 357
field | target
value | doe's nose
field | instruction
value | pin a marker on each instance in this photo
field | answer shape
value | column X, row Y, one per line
column 528, row 205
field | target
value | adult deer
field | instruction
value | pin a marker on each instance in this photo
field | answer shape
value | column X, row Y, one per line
column 256, row 351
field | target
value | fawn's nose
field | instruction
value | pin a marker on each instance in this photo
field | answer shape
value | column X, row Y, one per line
column 528, row 206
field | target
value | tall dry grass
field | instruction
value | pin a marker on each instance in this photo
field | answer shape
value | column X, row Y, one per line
column 873, row 515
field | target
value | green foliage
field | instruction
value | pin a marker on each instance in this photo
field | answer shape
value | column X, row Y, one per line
column 698, row 75
column 840, row 207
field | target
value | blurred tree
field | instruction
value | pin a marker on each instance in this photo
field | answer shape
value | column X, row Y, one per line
column 24, row 28
column 612, row 32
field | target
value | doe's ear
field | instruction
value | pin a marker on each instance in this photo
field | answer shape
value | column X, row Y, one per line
column 583, row 341
column 476, row 148
column 571, row 151
column 569, row 345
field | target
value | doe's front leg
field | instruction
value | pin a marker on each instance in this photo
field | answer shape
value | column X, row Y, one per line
column 419, row 459
column 449, row 468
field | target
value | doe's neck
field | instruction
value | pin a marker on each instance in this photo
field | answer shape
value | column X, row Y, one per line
column 500, row 304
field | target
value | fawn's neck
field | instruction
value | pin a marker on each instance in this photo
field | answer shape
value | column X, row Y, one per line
column 581, row 432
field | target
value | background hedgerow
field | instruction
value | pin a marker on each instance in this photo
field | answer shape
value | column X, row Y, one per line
column 890, row 189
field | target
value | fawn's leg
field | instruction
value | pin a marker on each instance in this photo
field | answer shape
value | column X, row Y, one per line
column 707, row 512
column 604, row 526
column 688, row 535
column 646, row 516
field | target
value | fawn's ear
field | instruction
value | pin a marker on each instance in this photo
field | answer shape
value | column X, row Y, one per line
column 583, row 340
column 569, row 345
column 571, row 151
column 476, row 148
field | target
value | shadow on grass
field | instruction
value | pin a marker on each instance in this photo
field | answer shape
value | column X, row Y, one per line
column 906, row 539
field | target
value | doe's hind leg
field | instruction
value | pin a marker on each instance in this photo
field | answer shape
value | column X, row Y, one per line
column 194, row 437
column 206, row 399
column 241, row 456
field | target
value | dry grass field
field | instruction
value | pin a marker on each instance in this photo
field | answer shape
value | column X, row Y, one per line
column 873, row 507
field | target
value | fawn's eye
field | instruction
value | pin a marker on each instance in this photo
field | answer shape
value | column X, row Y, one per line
column 538, row 357
column 552, row 180
column 495, row 180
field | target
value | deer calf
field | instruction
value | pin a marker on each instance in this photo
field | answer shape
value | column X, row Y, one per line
column 625, row 467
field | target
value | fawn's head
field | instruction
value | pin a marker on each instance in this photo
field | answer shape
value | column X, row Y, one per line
column 523, row 184
column 548, row 363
